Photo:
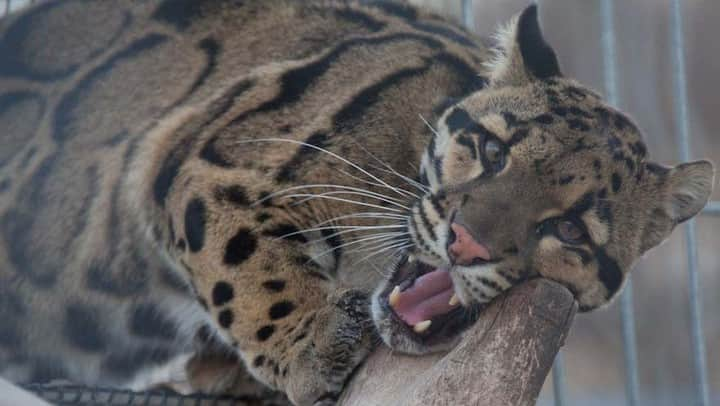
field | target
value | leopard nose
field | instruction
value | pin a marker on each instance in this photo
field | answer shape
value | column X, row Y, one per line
column 463, row 249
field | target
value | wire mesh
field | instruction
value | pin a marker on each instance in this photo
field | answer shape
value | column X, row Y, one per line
column 81, row 395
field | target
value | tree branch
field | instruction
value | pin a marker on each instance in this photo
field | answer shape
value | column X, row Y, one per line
column 502, row 360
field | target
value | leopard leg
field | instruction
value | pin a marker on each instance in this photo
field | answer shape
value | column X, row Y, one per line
column 296, row 330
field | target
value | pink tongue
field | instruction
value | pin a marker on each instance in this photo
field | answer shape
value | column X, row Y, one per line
column 429, row 296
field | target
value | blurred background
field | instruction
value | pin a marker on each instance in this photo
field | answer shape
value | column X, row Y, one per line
column 593, row 353
column 594, row 372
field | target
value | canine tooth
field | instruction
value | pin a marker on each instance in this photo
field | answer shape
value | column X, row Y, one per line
column 422, row 326
column 394, row 296
column 454, row 300
column 411, row 259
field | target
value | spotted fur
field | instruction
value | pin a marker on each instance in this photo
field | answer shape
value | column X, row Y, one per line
column 206, row 194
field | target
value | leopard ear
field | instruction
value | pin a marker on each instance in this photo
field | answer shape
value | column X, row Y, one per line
column 683, row 192
column 522, row 55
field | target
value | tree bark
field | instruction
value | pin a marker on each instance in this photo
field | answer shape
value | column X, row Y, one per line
column 502, row 360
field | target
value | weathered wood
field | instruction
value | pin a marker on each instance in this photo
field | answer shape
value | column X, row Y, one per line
column 502, row 360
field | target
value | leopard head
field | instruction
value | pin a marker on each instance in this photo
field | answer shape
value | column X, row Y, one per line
column 532, row 176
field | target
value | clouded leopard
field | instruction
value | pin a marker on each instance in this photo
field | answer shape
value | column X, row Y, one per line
column 208, row 194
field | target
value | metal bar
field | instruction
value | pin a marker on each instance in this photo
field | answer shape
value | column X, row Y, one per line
column 558, row 374
column 626, row 299
column 558, row 369
column 683, row 131
column 712, row 208
column 468, row 19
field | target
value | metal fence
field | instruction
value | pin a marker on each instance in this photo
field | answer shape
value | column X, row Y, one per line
column 81, row 395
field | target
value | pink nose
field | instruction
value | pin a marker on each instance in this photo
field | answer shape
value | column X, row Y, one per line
column 464, row 250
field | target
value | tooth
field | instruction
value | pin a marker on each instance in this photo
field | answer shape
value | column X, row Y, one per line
column 422, row 326
column 394, row 296
column 411, row 259
column 454, row 300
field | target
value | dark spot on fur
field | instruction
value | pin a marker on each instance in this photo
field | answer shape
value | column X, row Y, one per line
column 259, row 361
column 287, row 172
column 234, row 194
column 226, row 318
column 281, row 309
column 564, row 180
column 276, row 370
column 616, row 182
column 560, row 111
column 518, row 136
column 299, row 337
column 181, row 244
column 265, row 332
column 584, row 255
column 578, row 125
column 240, row 247
column 609, row 271
column 124, row 277
column 621, row 122
column 282, row 231
column 334, row 241
column 147, row 321
column 274, row 285
column 262, row 217
column 179, row 13
column 125, row 364
column 195, row 224
column 222, row 293
column 544, row 119
column 577, row 111
column 575, row 93
column 457, row 120
column 511, row 119
column 83, row 328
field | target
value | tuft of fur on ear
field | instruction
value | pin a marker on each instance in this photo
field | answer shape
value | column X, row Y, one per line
column 689, row 188
column 686, row 190
column 521, row 54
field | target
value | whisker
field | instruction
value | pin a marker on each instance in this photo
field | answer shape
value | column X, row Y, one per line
column 405, row 192
column 339, row 233
column 437, row 134
column 369, row 246
column 324, row 185
column 351, row 228
column 399, row 245
column 374, row 237
column 389, row 169
column 343, row 200
column 334, row 155
column 344, row 192
column 410, row 181
column 366, row 214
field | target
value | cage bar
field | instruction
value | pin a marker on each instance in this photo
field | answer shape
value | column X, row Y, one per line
column 627, row 315
column 683, row 131
column 468, row 17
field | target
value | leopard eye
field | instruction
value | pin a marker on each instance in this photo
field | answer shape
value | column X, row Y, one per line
column 569, row 232
column 493, row 151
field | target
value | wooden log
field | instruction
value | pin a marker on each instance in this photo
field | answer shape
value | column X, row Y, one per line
column 502, row 360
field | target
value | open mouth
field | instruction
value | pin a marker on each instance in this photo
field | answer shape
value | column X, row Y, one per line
column 421, row 299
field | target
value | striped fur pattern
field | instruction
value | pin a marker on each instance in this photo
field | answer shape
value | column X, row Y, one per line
column 216, row 196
